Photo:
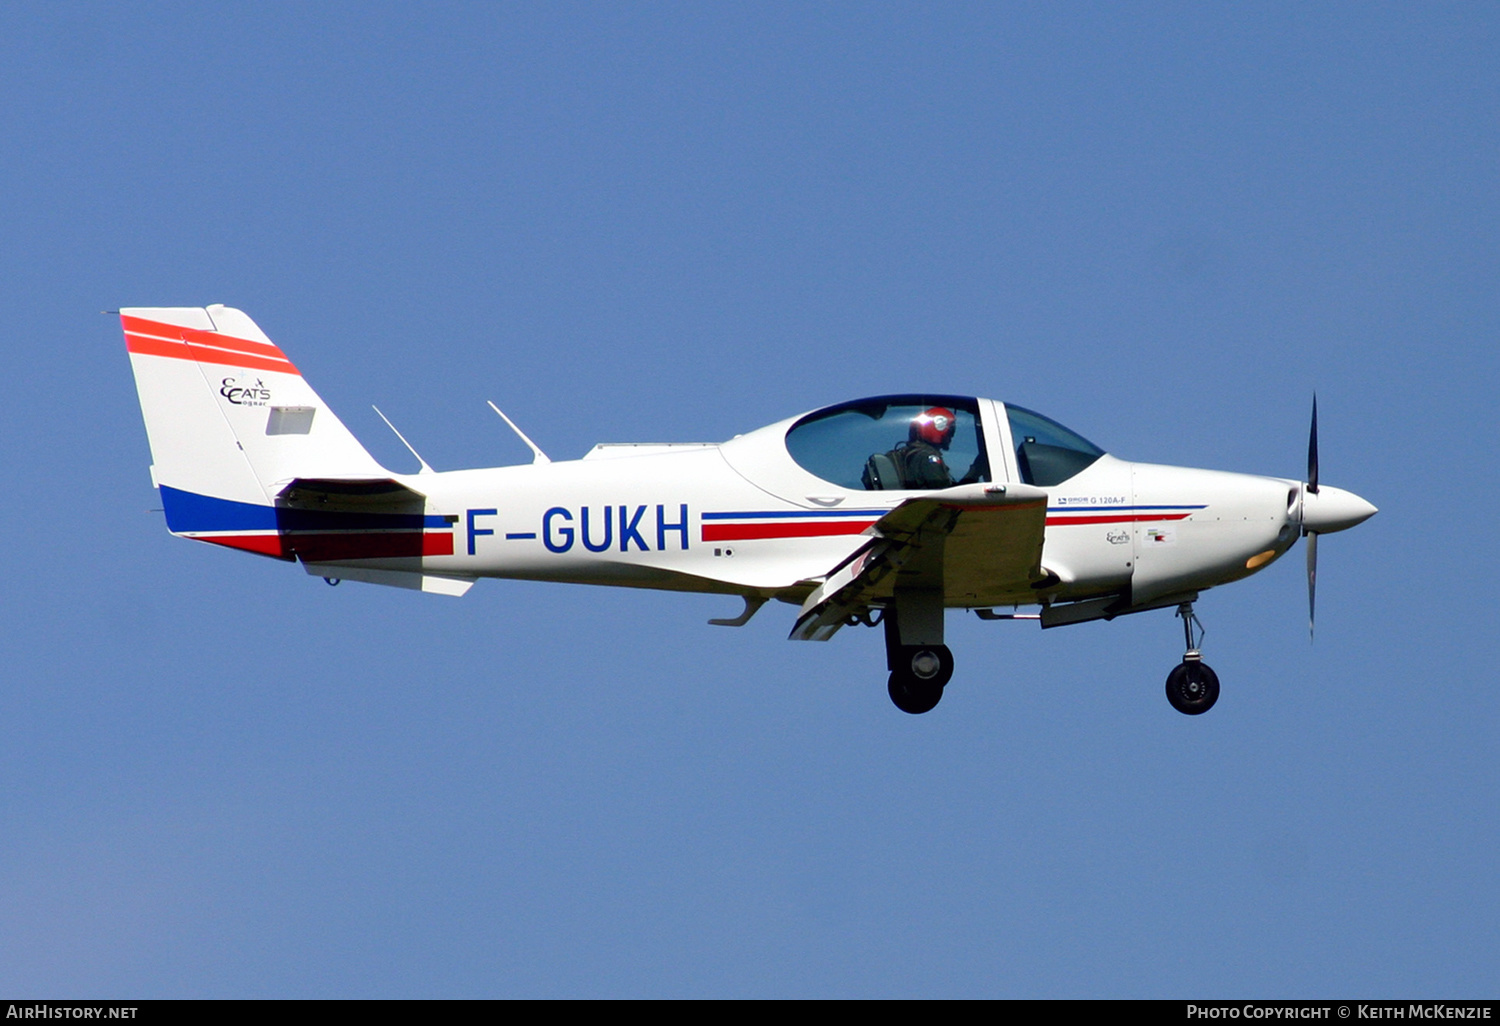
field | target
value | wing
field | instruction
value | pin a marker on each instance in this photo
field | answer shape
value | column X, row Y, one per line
column 981, row 545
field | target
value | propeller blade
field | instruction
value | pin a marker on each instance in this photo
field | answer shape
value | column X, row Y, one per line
column 1312, row 450
column 1312, row 580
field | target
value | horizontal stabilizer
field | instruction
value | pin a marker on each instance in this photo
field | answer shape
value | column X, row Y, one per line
column 436, row 584
column 369, row 494
column 328, row 520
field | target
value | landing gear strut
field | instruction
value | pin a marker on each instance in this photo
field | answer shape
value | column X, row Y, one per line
column 1192, row 687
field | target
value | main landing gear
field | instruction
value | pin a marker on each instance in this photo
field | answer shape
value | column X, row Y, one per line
column 918, row 675
column 1192, row 687
column 919, row 662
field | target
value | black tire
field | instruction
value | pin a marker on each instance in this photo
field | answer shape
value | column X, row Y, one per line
column 912, row 695
column 1192, row 688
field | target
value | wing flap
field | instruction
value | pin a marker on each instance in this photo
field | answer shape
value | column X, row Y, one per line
column 978, row 544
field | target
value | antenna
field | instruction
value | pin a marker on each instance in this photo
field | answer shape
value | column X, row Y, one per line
column 425, row 468
column 537, row 455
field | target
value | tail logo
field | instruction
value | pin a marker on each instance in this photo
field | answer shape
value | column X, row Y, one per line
column 243, row 395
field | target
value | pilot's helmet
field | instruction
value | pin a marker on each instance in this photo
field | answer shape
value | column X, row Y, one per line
column 934, row 426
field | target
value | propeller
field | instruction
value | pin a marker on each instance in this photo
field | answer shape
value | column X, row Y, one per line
column 1324, row 510
column 1312, row 579
column 1312, row 536
column 1312, row 450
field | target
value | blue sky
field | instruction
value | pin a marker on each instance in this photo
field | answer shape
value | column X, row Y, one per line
column 1163, row 225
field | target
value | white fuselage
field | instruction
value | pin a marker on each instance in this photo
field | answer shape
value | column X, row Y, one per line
column 690, row 517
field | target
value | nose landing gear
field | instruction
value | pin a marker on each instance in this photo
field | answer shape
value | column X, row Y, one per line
column 1192, row 687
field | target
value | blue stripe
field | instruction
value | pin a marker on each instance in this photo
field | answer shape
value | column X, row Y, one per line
column 838, row 513
column 784, row 514
column 1114, row 509
column 191, row 512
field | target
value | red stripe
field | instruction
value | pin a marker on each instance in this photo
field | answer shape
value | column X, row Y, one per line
column 1011, row 507
column 140, row 326
column 156, row 347
column 202, row 354
column 203, row 346
column 240, row 345
column 1123, row 518
column 260, row 544
column 801, row 529
column 325, row 548
column 183, row 351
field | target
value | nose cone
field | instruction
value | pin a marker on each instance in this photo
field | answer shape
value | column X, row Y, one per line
column 1333, row 509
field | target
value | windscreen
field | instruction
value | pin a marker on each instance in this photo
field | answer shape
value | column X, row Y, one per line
column 1047, row 453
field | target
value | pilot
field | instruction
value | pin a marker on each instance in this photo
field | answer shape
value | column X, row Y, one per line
column 920, row 461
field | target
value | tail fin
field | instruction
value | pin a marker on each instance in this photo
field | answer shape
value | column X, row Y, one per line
column 231, row 423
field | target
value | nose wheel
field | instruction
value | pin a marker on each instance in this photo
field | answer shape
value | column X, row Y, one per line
column 1193, row 686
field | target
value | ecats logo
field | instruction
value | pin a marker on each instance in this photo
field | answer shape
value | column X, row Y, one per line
column 245, row 395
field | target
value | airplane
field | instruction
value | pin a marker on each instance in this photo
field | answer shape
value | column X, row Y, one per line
column 885, row 511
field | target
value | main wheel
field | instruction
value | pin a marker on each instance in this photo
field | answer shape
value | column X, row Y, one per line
column 930, row 664
column 919, row 675
column 1192, row 688
column 912, row 695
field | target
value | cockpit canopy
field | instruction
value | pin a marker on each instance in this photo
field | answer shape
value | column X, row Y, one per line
column 879, row 444
column 919, row 441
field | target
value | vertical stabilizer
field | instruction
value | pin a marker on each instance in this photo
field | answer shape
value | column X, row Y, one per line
column 230, row 419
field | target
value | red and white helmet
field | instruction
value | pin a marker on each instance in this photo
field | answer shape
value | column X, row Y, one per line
column 934, row 426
